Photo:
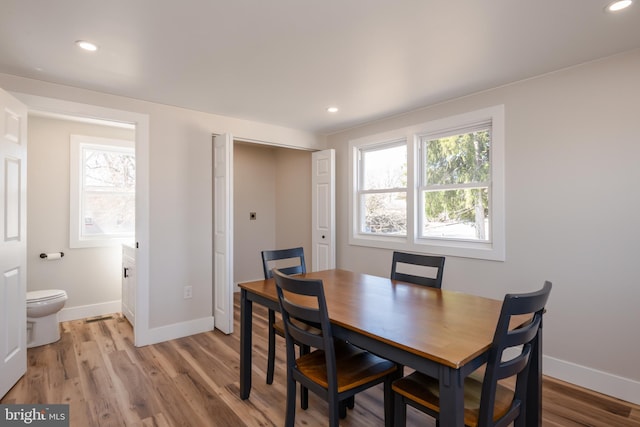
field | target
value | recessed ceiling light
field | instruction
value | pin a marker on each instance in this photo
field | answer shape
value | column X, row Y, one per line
column 618, row 5
column 332, row 109
column 86, row 45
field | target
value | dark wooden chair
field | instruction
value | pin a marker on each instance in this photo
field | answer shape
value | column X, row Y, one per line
column 335, row 370
column 294, row 260
column 436, row 262
column 486, row 401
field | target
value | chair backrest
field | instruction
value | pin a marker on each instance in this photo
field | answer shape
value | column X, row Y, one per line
column 436, row 262
column 302, row 302
column 280, row 255
column 517, row 361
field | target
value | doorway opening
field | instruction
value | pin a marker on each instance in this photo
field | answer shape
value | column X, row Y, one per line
column 81, row 202
column 272, row 204
column 248, row 194
column 139, row 123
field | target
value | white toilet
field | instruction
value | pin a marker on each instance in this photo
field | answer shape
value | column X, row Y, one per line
column 42, row 316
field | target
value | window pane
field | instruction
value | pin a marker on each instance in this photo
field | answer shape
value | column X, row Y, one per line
column 384, row 168
column 108, row 213
column 384, row 213
column 456, row 214
column 458, row 159
column 111, row 170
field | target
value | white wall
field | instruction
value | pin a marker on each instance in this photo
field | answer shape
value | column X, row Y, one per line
column 254, row 188
column 90, row 276
column 293, row 183
column 275, row 183
column 180, row 202
column 572, row 150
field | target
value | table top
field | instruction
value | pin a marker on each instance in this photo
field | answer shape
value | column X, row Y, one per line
column 448, row 327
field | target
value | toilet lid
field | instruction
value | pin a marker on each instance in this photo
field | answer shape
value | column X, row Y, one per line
column 48, row 294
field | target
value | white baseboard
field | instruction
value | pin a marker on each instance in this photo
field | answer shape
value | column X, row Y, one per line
column 91, row 310
column 602, row 382
column 176, row 330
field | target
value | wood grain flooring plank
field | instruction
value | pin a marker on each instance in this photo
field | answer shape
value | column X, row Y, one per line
column 173, row 404
column 73, row 395
column 158, row 420
column 205, row 403
column 95, row 377
column 201, row 369
column 133, row 386
column 105, row 412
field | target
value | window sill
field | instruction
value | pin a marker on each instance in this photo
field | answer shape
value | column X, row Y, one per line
column 463, row 249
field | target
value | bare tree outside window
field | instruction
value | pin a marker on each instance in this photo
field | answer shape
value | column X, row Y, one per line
column 108, row 191
column 383, row 195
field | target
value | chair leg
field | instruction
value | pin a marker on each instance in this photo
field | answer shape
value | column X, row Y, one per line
column 290, row 418
column 304, row 392
column 399, row 411
column 521, row 421
column 342, row 409
column 334, row 411
column 271, row 352
column 389, row 404
column 351, row 402
column 304, row 397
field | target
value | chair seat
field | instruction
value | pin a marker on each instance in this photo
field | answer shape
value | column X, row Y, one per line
column 355, row 366
column 278, row 327
column 425, row 391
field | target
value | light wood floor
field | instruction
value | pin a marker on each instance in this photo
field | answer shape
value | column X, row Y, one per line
column 194, row 381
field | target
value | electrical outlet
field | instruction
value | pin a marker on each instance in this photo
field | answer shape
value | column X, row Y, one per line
column 188, row 292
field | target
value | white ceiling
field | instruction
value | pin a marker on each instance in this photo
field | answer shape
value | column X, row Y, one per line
column 284, row 61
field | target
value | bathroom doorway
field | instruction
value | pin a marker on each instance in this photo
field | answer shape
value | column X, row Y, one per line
column 139, row 125
column 81, row 202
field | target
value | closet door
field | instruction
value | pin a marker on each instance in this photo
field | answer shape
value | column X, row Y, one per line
column 323, row 219
column 223, row 232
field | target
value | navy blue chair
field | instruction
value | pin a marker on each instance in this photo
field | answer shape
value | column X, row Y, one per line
column 335, row 370
column 294, row 259
column 487, row 402
column 436, row 262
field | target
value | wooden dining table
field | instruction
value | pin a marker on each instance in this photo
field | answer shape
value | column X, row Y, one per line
column 442, row 333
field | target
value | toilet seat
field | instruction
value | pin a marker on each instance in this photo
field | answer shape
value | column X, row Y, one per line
column 44, row 296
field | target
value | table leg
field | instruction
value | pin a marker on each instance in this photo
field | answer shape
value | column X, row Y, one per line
column 451, row 397
column 246, row 321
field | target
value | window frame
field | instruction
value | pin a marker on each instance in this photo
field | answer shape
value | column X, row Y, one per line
column 76, row 184
column 494, row 247
column 361, row 191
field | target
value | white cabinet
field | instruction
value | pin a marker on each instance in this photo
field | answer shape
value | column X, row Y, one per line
column 129, row 282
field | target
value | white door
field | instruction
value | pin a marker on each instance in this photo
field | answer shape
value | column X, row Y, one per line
column 13, row 241
column 223, row 232
column 323, row 219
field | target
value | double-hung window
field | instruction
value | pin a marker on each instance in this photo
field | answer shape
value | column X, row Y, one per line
column 102, row 191
column 382, row 189
column 433, row 188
